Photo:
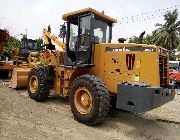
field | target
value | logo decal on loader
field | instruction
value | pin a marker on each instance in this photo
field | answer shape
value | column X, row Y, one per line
column 130, row 59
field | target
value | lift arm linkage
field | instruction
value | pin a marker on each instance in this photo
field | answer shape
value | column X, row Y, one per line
column 48, row 35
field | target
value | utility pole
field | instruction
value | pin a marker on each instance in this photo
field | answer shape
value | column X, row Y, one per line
column 26, row 33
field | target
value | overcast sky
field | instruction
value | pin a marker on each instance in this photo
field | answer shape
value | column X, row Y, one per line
column 34, row 15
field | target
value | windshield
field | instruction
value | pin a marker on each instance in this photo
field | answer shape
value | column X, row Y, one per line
column 73, row 37
column 101, row 31
column 32, row 46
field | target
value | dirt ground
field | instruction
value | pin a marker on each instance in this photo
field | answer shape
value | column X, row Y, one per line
column 23, row 118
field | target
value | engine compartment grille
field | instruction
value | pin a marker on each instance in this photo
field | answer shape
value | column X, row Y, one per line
column 163, row 70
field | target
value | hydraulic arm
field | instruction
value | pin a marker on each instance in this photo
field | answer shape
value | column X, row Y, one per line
column 48, row 36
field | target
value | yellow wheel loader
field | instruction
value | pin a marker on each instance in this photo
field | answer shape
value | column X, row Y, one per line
column 94, row 73
column 31, row 54
column 25, row 57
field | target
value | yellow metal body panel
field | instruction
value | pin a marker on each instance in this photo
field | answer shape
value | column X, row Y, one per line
column 88, row 10
column 111, row 66
column 114, row 63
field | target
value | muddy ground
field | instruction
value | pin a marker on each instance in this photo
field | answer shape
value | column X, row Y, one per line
column 23, row 118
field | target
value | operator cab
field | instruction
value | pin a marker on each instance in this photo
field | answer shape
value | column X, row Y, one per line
column 84, row 29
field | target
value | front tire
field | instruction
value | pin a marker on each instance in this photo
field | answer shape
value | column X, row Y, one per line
column 38, row 85
column 89, row 100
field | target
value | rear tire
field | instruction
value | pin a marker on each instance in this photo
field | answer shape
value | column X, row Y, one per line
column 38, row 85
column 89, row 100
column 177, row 85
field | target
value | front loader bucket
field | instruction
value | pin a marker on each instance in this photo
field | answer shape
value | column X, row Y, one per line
column 19, row 77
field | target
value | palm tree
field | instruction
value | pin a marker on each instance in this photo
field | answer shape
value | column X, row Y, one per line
column 167, row 34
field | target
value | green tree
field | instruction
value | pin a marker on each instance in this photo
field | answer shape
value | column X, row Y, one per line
column 133, row 39
column 148, row 39
column 12, row 45
column 40, row 43
column 167, row 34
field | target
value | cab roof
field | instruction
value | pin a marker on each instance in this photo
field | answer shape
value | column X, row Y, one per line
column 86, row 11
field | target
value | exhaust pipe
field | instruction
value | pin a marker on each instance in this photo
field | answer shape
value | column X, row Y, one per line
column 141, row 37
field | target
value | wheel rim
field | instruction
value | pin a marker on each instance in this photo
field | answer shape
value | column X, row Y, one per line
column 83, row 100
column 33, row 84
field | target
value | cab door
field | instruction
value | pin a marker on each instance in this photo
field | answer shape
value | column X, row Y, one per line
column 83, row 56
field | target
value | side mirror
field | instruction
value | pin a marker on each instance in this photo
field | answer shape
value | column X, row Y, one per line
column 62, row 31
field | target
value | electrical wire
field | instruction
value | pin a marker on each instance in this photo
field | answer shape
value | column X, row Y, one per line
column 148, row 15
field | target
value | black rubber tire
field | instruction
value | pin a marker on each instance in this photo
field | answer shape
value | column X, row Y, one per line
column 177, row 85
column 4, row 74
column 100, row 99
column 43, row 90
